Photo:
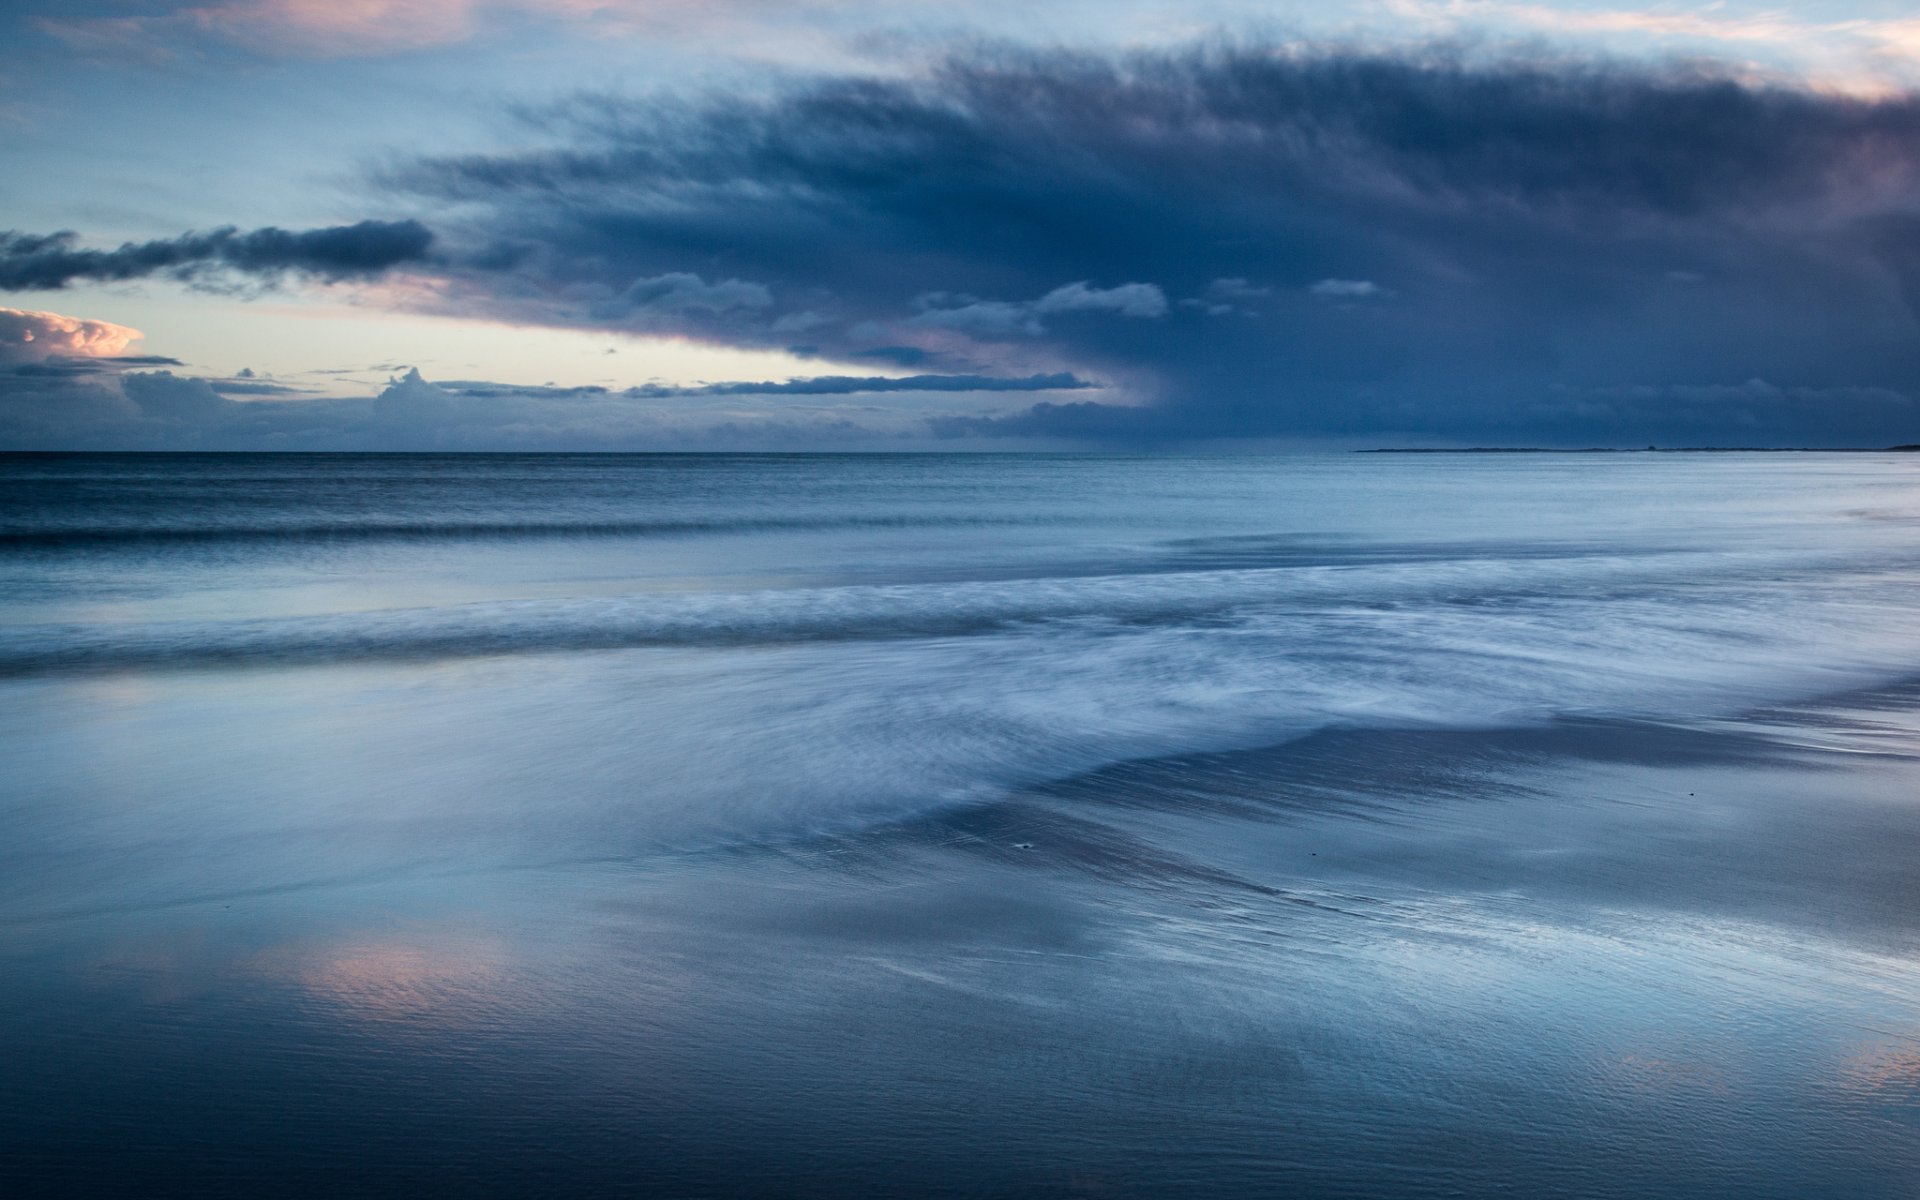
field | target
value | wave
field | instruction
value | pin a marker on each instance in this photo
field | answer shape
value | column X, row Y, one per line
column 1687, row 588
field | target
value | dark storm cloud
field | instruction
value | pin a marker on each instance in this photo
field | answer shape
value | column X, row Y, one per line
column 1081, row 419
column 56, row 368
column 67, row 368
column 1253, row 240
column 52, row 261
column 900, row 356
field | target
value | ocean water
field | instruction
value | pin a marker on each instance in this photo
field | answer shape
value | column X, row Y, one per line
column 678, row 825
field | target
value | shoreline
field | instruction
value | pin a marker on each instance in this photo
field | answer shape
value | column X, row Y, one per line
column 1598, row 958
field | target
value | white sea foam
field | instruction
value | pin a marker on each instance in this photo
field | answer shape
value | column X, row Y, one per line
column 1235, row 604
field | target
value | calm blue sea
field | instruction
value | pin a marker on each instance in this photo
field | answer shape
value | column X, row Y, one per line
column 1370, row 825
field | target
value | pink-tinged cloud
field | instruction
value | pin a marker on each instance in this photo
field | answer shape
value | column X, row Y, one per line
column 337, row 28
column 28, row 336
column 369, row 28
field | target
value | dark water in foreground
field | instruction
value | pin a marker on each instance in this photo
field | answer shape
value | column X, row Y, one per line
column 975, row 826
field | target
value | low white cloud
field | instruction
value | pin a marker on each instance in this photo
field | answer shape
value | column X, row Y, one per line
column 1026, row 318
column 1128, row 300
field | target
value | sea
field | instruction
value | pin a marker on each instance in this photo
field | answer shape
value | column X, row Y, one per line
column 1298, row 825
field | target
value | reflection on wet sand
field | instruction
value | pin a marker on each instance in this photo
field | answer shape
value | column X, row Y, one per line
column 1886, row 1073
column 412, row 980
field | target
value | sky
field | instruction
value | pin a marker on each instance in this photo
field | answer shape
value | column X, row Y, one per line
column 977, row 224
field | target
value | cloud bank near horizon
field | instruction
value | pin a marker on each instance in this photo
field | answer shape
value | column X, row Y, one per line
column 77, row 402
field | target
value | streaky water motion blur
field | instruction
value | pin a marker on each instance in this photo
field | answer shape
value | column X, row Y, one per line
column 1343, row 825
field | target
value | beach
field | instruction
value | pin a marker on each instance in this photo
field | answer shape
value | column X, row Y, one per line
column 960, row 825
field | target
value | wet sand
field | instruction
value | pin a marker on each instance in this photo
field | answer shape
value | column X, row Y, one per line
column 1593, row 958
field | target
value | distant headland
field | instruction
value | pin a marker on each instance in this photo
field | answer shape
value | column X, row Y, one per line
column 1908, row 448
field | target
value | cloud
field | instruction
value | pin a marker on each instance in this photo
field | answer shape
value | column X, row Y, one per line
column 337, row 28
column 275, row 28
column 176, row 400
column 1227, row 296
column 1530, row 212
column 88, row 409
column 330, row 29
column 164, row 410
column 1001, row 318
column 847, row 385
column 99, row 409
column 1347, row 289
column 1865, row 53
column 30, row 336
column 108, row 39
column 1083, row 420
column 1127, row 300
column 255, row 387
column 63, row 413
column 1010, row 214
column 816, row 385
column 1753, row 413
column 902, row 356
column 818, row 413
column 64, row 367
column 1682, row 414
column 1858, row 50
column 52, row 261
column 679, row 297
